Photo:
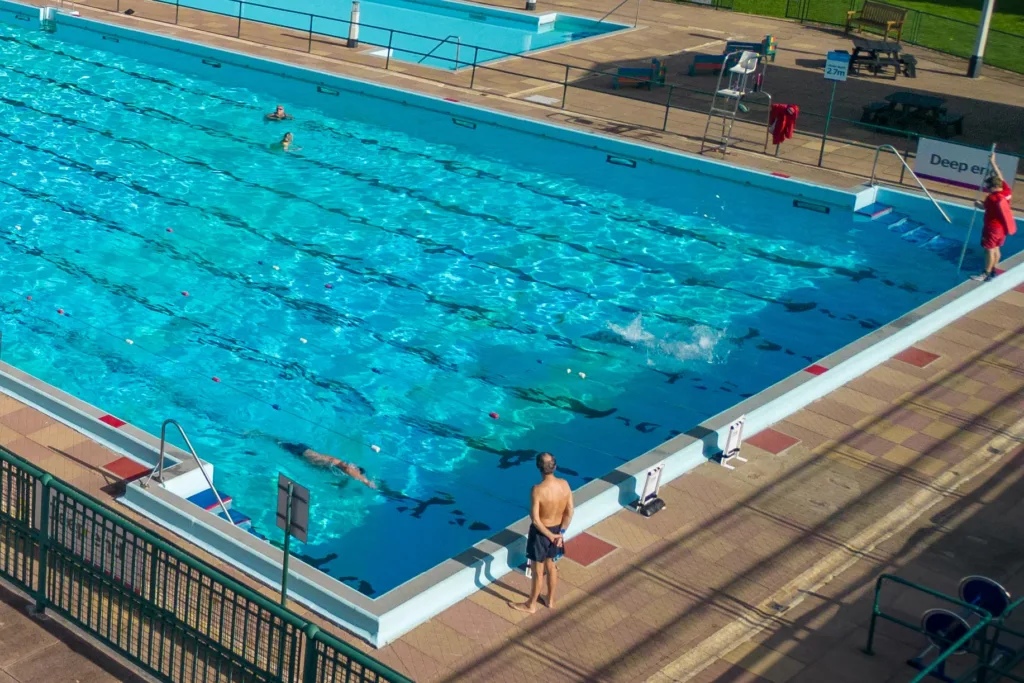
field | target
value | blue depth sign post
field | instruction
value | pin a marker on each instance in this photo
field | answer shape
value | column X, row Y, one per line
column 837, row 65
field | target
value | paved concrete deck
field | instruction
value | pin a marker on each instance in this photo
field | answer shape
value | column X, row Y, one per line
column 44, row 651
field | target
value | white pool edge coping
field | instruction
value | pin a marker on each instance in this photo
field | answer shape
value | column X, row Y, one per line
column 383, row 619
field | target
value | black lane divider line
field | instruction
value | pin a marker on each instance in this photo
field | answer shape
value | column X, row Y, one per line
column 110, row 177
column 373, row 181
column 404, row 191
column 187, row 402
column 797, row 307
column 407, row 416
column 230, row 220
column 132, row 74
column 564, row 403
column 664, row 228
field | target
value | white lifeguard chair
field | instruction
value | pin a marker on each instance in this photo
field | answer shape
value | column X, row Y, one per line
column 726, row 101
column 733, row 442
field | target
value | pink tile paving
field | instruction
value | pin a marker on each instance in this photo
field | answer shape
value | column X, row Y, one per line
column 919, row 358
column 772, row 441
column 586, row 549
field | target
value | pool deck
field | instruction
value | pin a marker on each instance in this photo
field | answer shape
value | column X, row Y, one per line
column 993, row 105
column 759, row 574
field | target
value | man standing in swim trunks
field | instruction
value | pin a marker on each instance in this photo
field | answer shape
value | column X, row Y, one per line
column 998, row 222
column 551, row 511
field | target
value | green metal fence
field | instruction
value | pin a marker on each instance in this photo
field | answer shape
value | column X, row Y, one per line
column 982, row 640
column 161, row 608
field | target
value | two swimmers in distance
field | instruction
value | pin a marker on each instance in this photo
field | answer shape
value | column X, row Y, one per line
column 285, row 145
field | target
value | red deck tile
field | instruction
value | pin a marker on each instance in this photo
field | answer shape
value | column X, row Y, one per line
column 586, row 549
column 113, row 421
column 772, row 441
column 917, row 357
column 1019, row 288
column 816, row 369
column 127, row 469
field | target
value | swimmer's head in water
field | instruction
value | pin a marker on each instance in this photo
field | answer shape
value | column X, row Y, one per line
column 546, row 463
column 287, row 137
column 279, row 111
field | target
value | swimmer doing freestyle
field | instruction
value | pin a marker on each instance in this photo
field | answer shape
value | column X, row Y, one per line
column 321, row 460
column 328, row 462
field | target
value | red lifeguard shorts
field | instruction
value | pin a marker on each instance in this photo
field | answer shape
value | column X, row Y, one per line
column 992, row 237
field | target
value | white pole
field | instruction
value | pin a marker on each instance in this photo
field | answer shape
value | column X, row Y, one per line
column 353, row 26
column 974, row 67
column 974, row 210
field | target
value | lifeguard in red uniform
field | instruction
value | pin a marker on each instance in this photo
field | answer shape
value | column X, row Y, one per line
column 998, row 221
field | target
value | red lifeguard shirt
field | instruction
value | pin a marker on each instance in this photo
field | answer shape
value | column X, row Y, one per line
column 996, row 210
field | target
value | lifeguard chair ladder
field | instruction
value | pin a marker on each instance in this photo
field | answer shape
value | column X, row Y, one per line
column 725, row 103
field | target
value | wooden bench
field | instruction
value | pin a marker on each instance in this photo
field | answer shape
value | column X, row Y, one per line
column 649, row 77
column 877, row 15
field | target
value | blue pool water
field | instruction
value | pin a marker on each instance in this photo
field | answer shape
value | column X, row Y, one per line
column 438, row 33
column 373, row 288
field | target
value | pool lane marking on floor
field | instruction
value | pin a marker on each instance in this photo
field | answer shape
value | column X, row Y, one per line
column 753, row 621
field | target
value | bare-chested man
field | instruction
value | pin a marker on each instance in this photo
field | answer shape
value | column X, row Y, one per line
column 551, row 511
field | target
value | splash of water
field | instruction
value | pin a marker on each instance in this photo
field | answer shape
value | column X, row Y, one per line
column 701, row 345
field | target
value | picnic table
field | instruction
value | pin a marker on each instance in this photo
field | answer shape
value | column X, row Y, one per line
column 877, row 55
column 908, row 110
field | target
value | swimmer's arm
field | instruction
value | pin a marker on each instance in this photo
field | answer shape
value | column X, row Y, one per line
column 535, row 516
column 995, row 168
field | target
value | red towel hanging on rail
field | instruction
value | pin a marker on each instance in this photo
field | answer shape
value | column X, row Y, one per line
column 782, row 121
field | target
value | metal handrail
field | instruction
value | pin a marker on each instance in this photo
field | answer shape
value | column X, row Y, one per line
column 458, row 48
column 159, row 471
column 878, row 150
column 615, row 9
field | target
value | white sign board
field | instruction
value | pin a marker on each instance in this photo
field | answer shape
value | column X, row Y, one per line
column 948, row 162
column 837, row 65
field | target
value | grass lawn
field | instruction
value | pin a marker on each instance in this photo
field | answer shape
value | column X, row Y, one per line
column 1009, row 14
column 946, row 25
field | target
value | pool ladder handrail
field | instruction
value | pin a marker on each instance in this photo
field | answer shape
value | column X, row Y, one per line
column 613, row 10
column 878, row 150
column 458, row 49
column 62, row 3
column 159, row 470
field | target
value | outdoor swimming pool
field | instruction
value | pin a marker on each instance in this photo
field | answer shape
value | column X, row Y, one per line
column 374, row 288
column 439, row 33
